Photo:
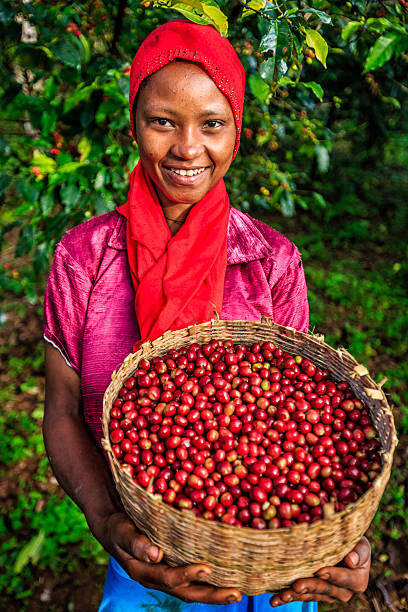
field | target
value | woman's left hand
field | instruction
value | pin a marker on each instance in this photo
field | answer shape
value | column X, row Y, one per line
column 332, row 583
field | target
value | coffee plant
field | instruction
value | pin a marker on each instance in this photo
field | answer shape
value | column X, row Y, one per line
column 315, row 71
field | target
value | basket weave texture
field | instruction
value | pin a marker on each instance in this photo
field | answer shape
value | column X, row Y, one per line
column 256, row 561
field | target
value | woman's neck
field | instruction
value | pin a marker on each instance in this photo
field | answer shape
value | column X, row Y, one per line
column 175, row 213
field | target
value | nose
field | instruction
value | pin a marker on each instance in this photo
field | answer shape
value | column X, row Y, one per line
column 188, row 143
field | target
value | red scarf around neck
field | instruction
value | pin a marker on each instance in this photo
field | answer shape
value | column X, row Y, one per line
column 178, row 280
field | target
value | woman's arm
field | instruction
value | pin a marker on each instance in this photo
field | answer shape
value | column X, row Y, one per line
column 83, row 473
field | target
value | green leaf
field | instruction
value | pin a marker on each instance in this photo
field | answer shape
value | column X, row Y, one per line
column 256, row 5
column 319, row 199
column 45, row 163
column 277, row 40
column 105, row 108
column 289, row 13
column 86, row 47
column 276, row 196
column 5, row 181
column 213, row 11
column 69, row 51
column 391, row 100
column 30, row 552
column 70, row 195
column 40, row 259
column 297, row 49
column 70, row 167
column 401, row 44
column 25, row 241
column 322, row 158
column 380, row 52
column 269, row 41
column 287, row 203
column 266, row 70
column 81, row 93
column 100, row 204
column 6, row 13
column 47, row 51
column 259, row 88
column 360, row 4
column 100, row 179
column 87, row 115
column 324, row 17
column 27, row 191
column 194, row 4
column 22, row 210
column 282, row 68
column 190, row 14
column 377, row 25
column 285, row 81
column 48, row 121
column 317, row 42
column 50, row 88
column 84, row 148
column 47, row 202
column 316, row 88
column 350, row 29
column 4, row 146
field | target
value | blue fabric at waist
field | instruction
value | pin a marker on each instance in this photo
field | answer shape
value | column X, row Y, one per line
column 122, row 594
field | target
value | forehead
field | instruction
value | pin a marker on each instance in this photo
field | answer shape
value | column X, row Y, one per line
column 182, row 82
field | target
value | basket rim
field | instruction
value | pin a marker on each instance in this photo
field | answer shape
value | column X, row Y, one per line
column 207, row 326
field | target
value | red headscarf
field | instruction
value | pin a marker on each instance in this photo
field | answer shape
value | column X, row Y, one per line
column 179, row 280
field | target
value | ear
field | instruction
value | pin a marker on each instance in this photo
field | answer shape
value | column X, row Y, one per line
column 134, row 121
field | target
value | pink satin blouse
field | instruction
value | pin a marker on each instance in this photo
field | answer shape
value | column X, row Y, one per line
column 89, row 302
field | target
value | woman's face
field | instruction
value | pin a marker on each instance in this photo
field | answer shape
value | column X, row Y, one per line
column 185, row 132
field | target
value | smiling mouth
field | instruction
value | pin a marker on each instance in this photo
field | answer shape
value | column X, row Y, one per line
column 190, row 172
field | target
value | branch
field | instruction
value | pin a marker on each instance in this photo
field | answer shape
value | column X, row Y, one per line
column 400, row 85
column 278, row 7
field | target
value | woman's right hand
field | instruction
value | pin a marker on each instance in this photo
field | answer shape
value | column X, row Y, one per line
column 142, row 560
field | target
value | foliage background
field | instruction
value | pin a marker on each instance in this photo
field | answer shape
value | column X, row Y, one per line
column 323, row 158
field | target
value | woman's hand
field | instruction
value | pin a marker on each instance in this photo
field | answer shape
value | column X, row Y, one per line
column 142, row 561
column 332, row 583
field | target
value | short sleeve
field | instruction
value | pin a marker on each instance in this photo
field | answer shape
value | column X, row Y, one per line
column 289, row 296
column 65, row 304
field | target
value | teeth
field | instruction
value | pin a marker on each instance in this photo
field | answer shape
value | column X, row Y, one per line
column 182, row 172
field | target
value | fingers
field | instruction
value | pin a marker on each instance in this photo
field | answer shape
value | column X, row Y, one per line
column 277, row 600
column 168, row 578
column 141, row 560
column 360, row 556
column 316, row 587
column 202, row 594
column 128, row 541
column 332, row 583
column 356, row 578
column 311, row 589
column 208, row 594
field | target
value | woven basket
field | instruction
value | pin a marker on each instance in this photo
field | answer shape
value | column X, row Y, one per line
column 251, row 560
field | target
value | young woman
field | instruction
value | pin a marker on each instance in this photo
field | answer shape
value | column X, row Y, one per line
column 174, row 253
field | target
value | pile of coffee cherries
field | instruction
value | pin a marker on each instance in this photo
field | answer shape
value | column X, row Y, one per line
column 247, row 435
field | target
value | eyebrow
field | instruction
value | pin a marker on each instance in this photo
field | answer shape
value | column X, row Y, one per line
column 158, row 110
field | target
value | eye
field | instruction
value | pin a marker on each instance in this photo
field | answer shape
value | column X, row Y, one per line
column 213, row 123
column 162, row 122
